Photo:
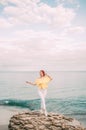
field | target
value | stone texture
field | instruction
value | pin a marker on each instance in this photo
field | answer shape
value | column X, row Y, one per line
column 34, row 120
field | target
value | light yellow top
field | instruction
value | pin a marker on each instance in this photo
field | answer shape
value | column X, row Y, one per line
column 42, row 82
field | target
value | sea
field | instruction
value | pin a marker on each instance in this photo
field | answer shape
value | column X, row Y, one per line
column 66, row 93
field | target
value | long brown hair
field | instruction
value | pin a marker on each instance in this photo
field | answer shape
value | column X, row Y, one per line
column 43, row 72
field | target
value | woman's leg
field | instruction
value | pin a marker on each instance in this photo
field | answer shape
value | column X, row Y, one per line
column 45, row 92
column 42, row 94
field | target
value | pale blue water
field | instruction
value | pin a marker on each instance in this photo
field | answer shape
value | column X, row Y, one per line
column 66, row 92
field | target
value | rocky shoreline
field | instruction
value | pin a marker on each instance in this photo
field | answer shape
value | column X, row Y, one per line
column 34, row 120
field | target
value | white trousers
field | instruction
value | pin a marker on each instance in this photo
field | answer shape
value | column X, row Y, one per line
column 42, row 94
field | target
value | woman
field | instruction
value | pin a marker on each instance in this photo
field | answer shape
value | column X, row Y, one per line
column 42, row 84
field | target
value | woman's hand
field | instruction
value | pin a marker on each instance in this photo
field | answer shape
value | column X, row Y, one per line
column 49, row 77
column 27, row 82
column 30, row 83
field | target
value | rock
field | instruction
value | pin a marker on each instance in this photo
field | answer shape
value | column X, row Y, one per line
column 34, row 120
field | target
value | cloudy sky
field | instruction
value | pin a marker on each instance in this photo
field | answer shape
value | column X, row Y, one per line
column 42, row 34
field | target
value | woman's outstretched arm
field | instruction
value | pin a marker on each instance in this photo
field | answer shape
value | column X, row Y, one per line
column 30, row 83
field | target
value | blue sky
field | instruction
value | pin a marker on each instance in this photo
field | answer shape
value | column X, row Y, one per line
column 42, row 34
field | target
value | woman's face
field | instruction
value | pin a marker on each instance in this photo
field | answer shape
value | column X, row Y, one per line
column 41, row 74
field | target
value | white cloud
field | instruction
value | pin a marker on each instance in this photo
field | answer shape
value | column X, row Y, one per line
column 37, row 53
column 73, row 3
column 41, row 35
column 4, row 23
column 76, row 29
column 29, row 33
column 31, row 12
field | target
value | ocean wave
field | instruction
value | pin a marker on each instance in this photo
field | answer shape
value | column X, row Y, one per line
column 31, row 104
column 64, row 106
column 77, row 114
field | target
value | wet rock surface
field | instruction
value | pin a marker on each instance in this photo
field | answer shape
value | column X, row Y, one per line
column 34, row 120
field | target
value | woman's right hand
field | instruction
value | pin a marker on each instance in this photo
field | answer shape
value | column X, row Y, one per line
column 27, row 82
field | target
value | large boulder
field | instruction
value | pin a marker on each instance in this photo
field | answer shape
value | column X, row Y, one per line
column 34, row 120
